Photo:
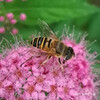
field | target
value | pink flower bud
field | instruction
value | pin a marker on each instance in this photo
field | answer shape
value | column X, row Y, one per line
column 13, row 21
column 2, row 18
column 22, row 17
column 2, row 30
column 10, row 15
column 9, row 0
column 14, row 31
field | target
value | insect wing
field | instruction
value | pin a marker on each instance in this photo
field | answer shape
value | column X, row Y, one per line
column 47, row 32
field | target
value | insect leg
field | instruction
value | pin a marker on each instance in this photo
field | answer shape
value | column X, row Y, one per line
column 60, row 64
column 30, row 58
column 59, row 60
column 26, row 61
column 48, row 57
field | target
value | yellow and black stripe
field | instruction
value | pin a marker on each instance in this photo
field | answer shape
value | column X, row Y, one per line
column 41, row 42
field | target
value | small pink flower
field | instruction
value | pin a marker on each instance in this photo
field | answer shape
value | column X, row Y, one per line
column 2, row 30
column 8, row 0
column 13, row 21
column 2, row 18
column 22, row 16
column 2, row 63
column 14, row 31
column 73, row 92
column 10, row 15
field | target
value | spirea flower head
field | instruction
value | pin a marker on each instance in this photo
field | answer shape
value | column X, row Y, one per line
column 24, row 77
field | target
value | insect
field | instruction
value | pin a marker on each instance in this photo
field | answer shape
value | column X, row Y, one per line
column 52, row 45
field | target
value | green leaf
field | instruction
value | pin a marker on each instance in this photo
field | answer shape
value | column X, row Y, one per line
column 50, row 10
column 94, row 31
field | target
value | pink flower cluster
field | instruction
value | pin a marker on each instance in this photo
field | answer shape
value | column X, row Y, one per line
column 24, row 77
column 9, row 21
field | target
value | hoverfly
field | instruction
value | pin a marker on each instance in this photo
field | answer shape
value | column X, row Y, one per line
column 52, row 45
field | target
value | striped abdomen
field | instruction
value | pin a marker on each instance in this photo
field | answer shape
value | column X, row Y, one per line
column 41, row 42
column 47, row 44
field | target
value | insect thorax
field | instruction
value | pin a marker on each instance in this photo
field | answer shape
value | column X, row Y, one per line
column 61, row 49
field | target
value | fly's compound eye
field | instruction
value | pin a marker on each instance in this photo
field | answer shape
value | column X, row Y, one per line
column 69, row 53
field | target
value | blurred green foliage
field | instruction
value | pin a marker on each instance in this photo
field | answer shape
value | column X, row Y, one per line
column 84, row 14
